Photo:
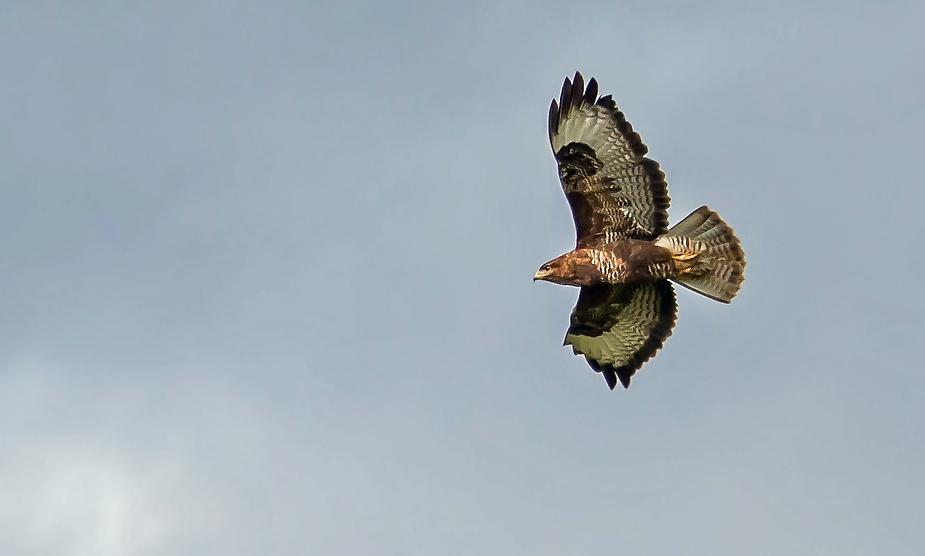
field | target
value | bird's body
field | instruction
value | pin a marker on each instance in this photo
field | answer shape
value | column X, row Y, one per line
column 625, row 254
column 620, row 262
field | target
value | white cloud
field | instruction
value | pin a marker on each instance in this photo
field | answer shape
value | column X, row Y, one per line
column 110, row 470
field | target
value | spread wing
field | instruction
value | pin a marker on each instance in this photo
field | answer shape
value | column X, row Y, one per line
column 615, row 192
column 619, row 327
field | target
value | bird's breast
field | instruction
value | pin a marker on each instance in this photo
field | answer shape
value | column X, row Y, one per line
column 633, row 260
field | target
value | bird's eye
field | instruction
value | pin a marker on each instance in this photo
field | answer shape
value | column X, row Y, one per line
column 546, row 268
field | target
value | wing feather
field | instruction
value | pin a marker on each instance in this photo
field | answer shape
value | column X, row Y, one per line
column 621, row 326
column 603, row 168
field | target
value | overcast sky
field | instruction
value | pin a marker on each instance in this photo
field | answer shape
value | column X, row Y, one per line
column 266, row 281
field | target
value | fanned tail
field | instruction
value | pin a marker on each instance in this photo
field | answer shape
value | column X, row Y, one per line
column 710, row 260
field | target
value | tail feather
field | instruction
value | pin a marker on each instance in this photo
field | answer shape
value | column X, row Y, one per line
column 710, row 259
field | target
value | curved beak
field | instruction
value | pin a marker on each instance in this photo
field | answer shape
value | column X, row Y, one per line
column 540, row 275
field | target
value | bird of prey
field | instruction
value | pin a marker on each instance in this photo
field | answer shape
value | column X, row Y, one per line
column 625, row 254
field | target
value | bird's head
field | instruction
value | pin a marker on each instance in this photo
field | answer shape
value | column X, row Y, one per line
column 547, row 271
column 569, row 270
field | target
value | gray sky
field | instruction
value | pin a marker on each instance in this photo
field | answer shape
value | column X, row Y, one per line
column 265, row 281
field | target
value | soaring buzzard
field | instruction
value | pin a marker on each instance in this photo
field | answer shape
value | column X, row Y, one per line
column 625, row 254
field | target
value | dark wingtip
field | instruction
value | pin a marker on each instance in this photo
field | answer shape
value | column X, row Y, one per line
column 553, row 119
column 572, row 97
column 591, row 92
column 578, row 91
column 610, row 377
column 565, row 97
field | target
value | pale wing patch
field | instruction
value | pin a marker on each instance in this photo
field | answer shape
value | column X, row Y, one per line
column 613, row 347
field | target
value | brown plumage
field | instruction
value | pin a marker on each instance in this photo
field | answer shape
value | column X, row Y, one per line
column 624, row 253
